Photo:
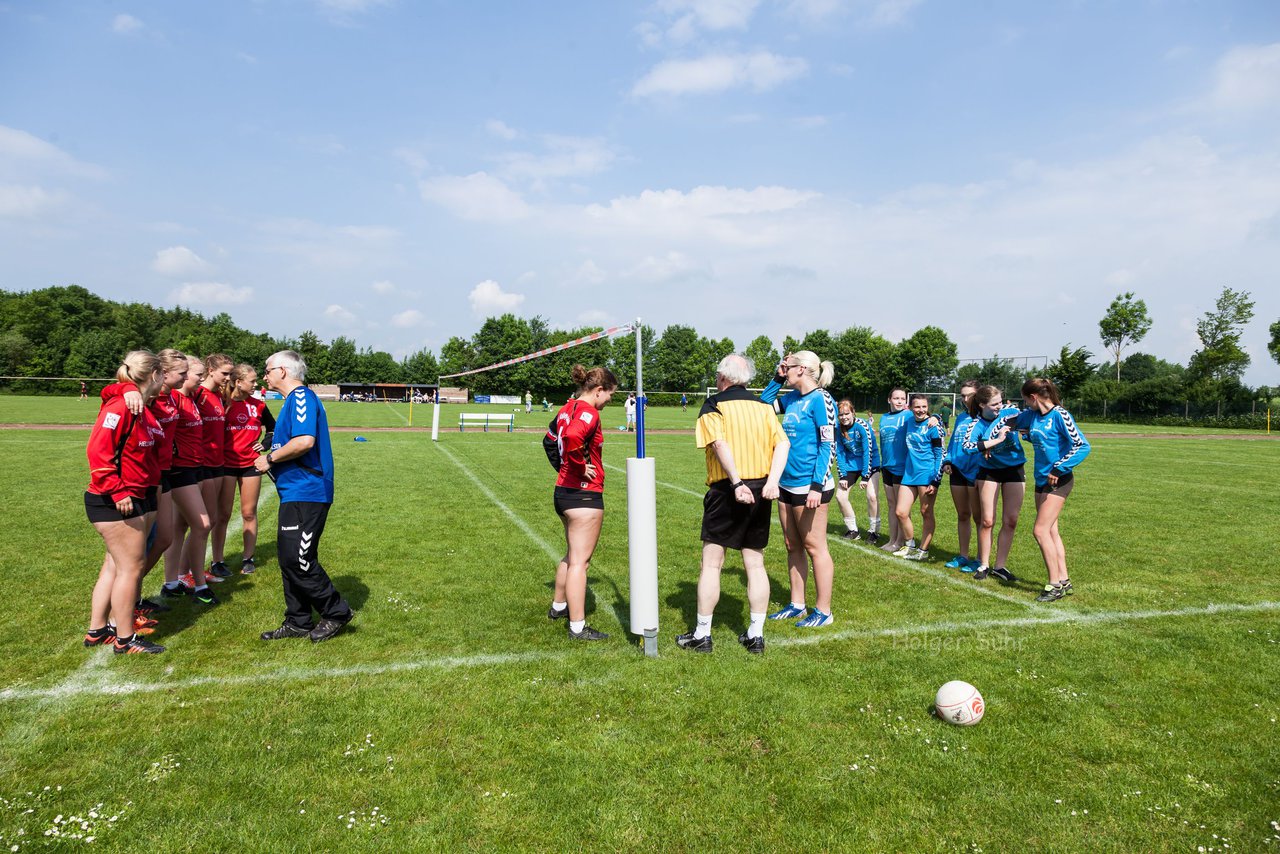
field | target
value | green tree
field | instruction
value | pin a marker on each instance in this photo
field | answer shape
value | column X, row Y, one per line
column 1126, row 322
column 927, row 360
column 1001, row 373
column 865, row 363
column 378, row 367
column 499, row 339
column 316, row 354
column 622, row 358
column 1071, row 369
column 96, row 354
column 683, row 360
column 421, row 367
column 14, row 348
column 456, row 356
column 344, row 362
column 1273, row 347
column 765, row 357
column 1220, row 361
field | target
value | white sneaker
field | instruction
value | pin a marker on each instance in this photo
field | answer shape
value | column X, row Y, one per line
column 903, row 552
column 918, row 554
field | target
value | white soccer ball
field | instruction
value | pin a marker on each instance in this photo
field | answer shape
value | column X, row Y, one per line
column 959, row 703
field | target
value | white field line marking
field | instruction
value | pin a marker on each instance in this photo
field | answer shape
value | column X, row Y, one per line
column 267, row 489
column 71, row 688
column 661, row 483
column 90, row 677
column 551, row 552
column 387, row 404
column 973, row 586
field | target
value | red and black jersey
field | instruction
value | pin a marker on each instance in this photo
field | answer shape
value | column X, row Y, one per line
column 165, row 411
column 122, row 452
column 581, row 442
column 188, row 444
column 245, row 420
column 214, row 415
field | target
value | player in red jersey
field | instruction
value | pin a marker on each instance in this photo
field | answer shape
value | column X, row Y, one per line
column 579, row 494
column 211, row 398
column 247, row 416
column 124, row 477
column 192, row 520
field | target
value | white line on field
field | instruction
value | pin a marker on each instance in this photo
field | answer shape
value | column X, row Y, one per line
column 551, row 551
column 387, row 403
column 672, row 486
column 91, row 683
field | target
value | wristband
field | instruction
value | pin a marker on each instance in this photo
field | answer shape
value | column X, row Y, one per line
column 269, row 460
column 736, row 484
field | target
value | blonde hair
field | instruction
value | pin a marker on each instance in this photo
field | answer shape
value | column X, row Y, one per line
column 238, row 373
column 139, row 367
column 821, row 373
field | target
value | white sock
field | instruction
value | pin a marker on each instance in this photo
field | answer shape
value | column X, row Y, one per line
column 911, row 543
column 703, row 629
column 559, row 606
column 202, row 587
column 851, row 522
column 875, row 524
column 756, row 629
column 173, row 585
column 799, row 605
column 576, row 626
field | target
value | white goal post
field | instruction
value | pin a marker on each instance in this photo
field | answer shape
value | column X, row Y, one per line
column 936, row 399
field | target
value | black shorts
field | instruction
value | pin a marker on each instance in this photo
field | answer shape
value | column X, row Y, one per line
column 236, row 471
column 729, row 523
column 888, row 478
column 102, row 508
column 165, row 485
column 1004, row 474
column 184, row 476
column 797, row 499
column 850, row 479
column 210, row 472
column 958, row 479
column 1063, row 489
column 567, row 498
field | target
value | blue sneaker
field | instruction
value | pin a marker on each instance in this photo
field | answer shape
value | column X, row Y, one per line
column 957, row 562
column 972, row 565
column 790, row 612
column 816, row 620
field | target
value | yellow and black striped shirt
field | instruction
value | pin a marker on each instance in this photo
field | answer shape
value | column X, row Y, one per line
column 749, row 427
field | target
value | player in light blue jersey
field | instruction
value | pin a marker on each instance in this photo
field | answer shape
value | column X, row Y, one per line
column 920, row 478
column 963, row 471
column 893, row 460
column 806, row 488
column 855, row 441
column 1059, row 448
column 1001, row 473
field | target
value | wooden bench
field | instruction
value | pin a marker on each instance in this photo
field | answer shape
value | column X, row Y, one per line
column 486, row 420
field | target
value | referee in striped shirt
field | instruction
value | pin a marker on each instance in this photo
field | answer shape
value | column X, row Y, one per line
column 746, row 453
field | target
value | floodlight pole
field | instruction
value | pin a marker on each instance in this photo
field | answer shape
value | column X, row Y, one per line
column 642, row 523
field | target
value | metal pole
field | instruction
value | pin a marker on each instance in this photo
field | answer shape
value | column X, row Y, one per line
column 640, row 398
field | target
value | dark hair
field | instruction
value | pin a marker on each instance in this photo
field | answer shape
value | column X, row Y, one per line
column 969, row 382
column 913, row 398
column 983, row 393
column 594, row 378
column 1042, row 387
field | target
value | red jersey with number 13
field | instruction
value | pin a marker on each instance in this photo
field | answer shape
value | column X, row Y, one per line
column 581, row 442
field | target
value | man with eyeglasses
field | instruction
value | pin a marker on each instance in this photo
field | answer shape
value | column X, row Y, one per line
column 301, row 463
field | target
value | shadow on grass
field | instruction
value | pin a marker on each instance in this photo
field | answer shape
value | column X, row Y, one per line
column 730, row 609
column 355, row 591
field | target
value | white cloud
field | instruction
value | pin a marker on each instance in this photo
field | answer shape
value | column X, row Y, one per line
column 565, row 157
column 713, row 14
column 211, row 294
column 478, row 196
column 1247, row 78
column 22, row 155
column 488, row 298
column 343, row 12
column 383, row 288
column 406, row 319
column 759, row 71
column 178, row 261
column 340, row 314
column 329, row 247
column 720, row 214
column 500, row 129
column 589, row 273
column 125, row 24
column 18, row 202
column 889, row 13
column 670, row 267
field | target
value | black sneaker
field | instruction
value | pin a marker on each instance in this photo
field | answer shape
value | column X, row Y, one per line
column 286, row 630
column 136, row 645
column 851, row 535
column 587, row 634
column 148, row 606
column 562, row 614
column 248, row 567
column 871, row 537
column 981, row 573
column 1051, row 594
column 689, row 642
column 175, row 592
column 327, row 628
column 755, row 646
column 1004, row 575
column 218, row 569
column 1067, row 589
column 204, row 597
column 101, row 636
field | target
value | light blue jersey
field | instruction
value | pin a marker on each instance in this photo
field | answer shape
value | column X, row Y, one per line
column 1059, row 445
column 854, row 451
column 809, row 420
column 965, row 465
column 1007, row 454
column 893, row 441
column 924, row 453
column 310, row 476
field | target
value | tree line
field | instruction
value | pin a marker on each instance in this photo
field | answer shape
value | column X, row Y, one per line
column 70, row 332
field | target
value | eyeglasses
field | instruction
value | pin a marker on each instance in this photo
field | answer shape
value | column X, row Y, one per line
column 267, row 371
column 791, row 367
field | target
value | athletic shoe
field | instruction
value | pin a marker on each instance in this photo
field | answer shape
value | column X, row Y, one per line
column 790, row 612
column 816, row 620
column 141, row 621
column 147, row 606
column 870, row 536
column 218, row 569
column 889, row 547
column 1067, row 589
column 327, row 628
column 918, row 554
column 210, row 578
column 248, row 567
column 904, row 551
column 1004, row 575
column 1051, row 594
column 175, row 592
column 587, row 634
column 850, row 535
column 286, row 630
column 973, row 564
column 136, row 645
column 100, row 637
column 689, row 642
column 188, row 579
column 957, row 562
column 980, row 573
column 562, row 614
column 204, row 597
column 755, row 646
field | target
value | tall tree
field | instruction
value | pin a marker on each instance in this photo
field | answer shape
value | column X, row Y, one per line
column 1126, row 322
column 1273, row 347
column 344, row 363
column 765, row 357
column 927, row 360
column 314, row 352
column 456, row 356
column 421, row 367
column 1071, row 369
column 865, row 362
column 684, row 360
column 1220, row 359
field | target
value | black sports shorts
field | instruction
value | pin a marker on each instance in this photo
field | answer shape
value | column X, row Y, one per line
column 729, row 523
column 958, row 479
column 1063, row 489
column 567, row 498
column 237, row 471
column 102, row 508
column 797, row 499
column 888, row 478
column 1004, row 474
column 184, row 476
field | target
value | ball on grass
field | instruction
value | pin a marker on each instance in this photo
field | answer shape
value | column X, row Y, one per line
column 959, row 703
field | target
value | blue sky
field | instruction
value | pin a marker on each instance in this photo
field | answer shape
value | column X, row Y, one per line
column 396, row 171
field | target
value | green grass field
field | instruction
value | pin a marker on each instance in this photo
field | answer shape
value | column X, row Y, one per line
column 1139, row 715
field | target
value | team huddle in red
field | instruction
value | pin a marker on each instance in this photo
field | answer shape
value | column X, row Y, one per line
column 175, row 438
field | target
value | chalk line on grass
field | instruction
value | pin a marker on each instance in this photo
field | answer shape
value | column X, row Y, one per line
column 551, row 551
column 387, row 403
column 79, row 685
